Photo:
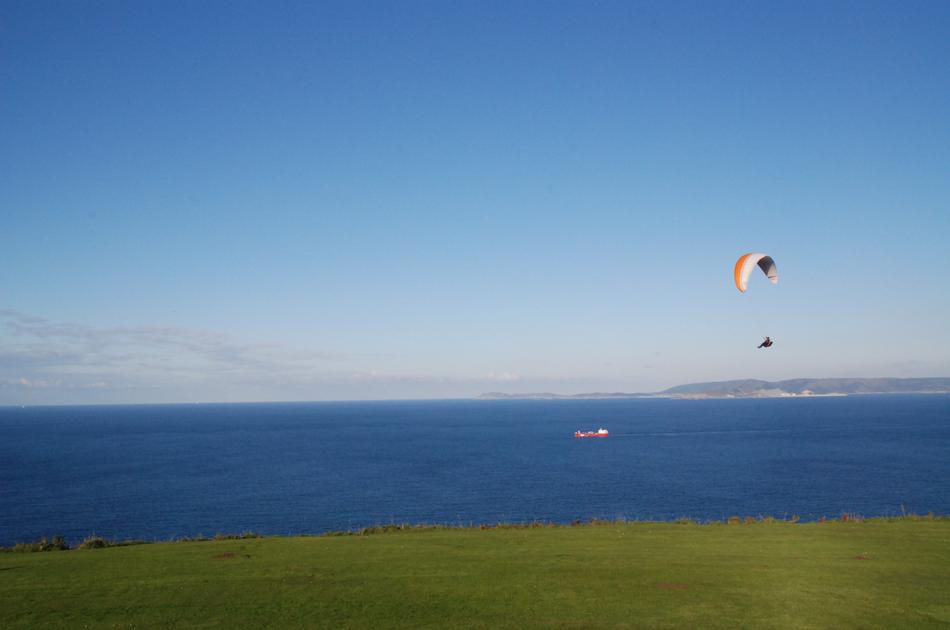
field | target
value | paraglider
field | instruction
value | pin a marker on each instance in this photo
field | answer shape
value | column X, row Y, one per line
column 744, row 267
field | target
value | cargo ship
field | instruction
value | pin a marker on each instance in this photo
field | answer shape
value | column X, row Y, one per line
column 598, row 433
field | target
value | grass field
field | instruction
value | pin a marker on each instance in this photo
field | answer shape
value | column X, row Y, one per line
column 870, row 574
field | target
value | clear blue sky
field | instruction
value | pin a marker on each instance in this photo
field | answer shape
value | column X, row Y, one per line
column 301, row 201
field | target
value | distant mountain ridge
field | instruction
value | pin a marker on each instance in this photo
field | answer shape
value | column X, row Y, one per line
column 753, row 388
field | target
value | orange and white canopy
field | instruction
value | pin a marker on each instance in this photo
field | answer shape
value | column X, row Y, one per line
column 744, row 267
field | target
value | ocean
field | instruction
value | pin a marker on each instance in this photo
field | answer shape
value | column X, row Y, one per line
column 167, row 471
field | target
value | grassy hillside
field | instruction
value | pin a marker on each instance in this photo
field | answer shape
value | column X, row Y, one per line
column 780, row 575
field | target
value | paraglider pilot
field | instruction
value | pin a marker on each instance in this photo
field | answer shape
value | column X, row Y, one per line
column 766, row 344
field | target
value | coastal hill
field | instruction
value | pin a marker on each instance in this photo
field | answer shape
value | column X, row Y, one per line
column 753, row 388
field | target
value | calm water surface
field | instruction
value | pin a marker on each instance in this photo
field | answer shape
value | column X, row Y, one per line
column 165, row 471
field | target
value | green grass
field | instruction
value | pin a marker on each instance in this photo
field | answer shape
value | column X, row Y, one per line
column 870, row 574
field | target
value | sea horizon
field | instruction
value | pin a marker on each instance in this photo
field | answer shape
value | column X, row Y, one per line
column 589, row 395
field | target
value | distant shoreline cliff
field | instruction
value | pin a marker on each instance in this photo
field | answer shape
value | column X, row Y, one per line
column 752, row 388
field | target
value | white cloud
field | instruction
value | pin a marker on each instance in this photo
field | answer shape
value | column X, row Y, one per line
column 39, row 353
column 44, row 361
column 505, row 377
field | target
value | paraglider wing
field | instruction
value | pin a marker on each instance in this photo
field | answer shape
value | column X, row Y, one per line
column 744, row 267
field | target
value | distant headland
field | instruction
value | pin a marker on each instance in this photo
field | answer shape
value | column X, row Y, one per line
column 753, row 388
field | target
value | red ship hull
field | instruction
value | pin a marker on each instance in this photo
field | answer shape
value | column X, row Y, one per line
column 586, row 434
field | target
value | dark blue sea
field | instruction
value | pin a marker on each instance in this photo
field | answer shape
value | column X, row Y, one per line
column 167, row 471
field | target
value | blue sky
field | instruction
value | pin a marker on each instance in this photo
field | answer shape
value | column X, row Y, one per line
column 205, row 201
